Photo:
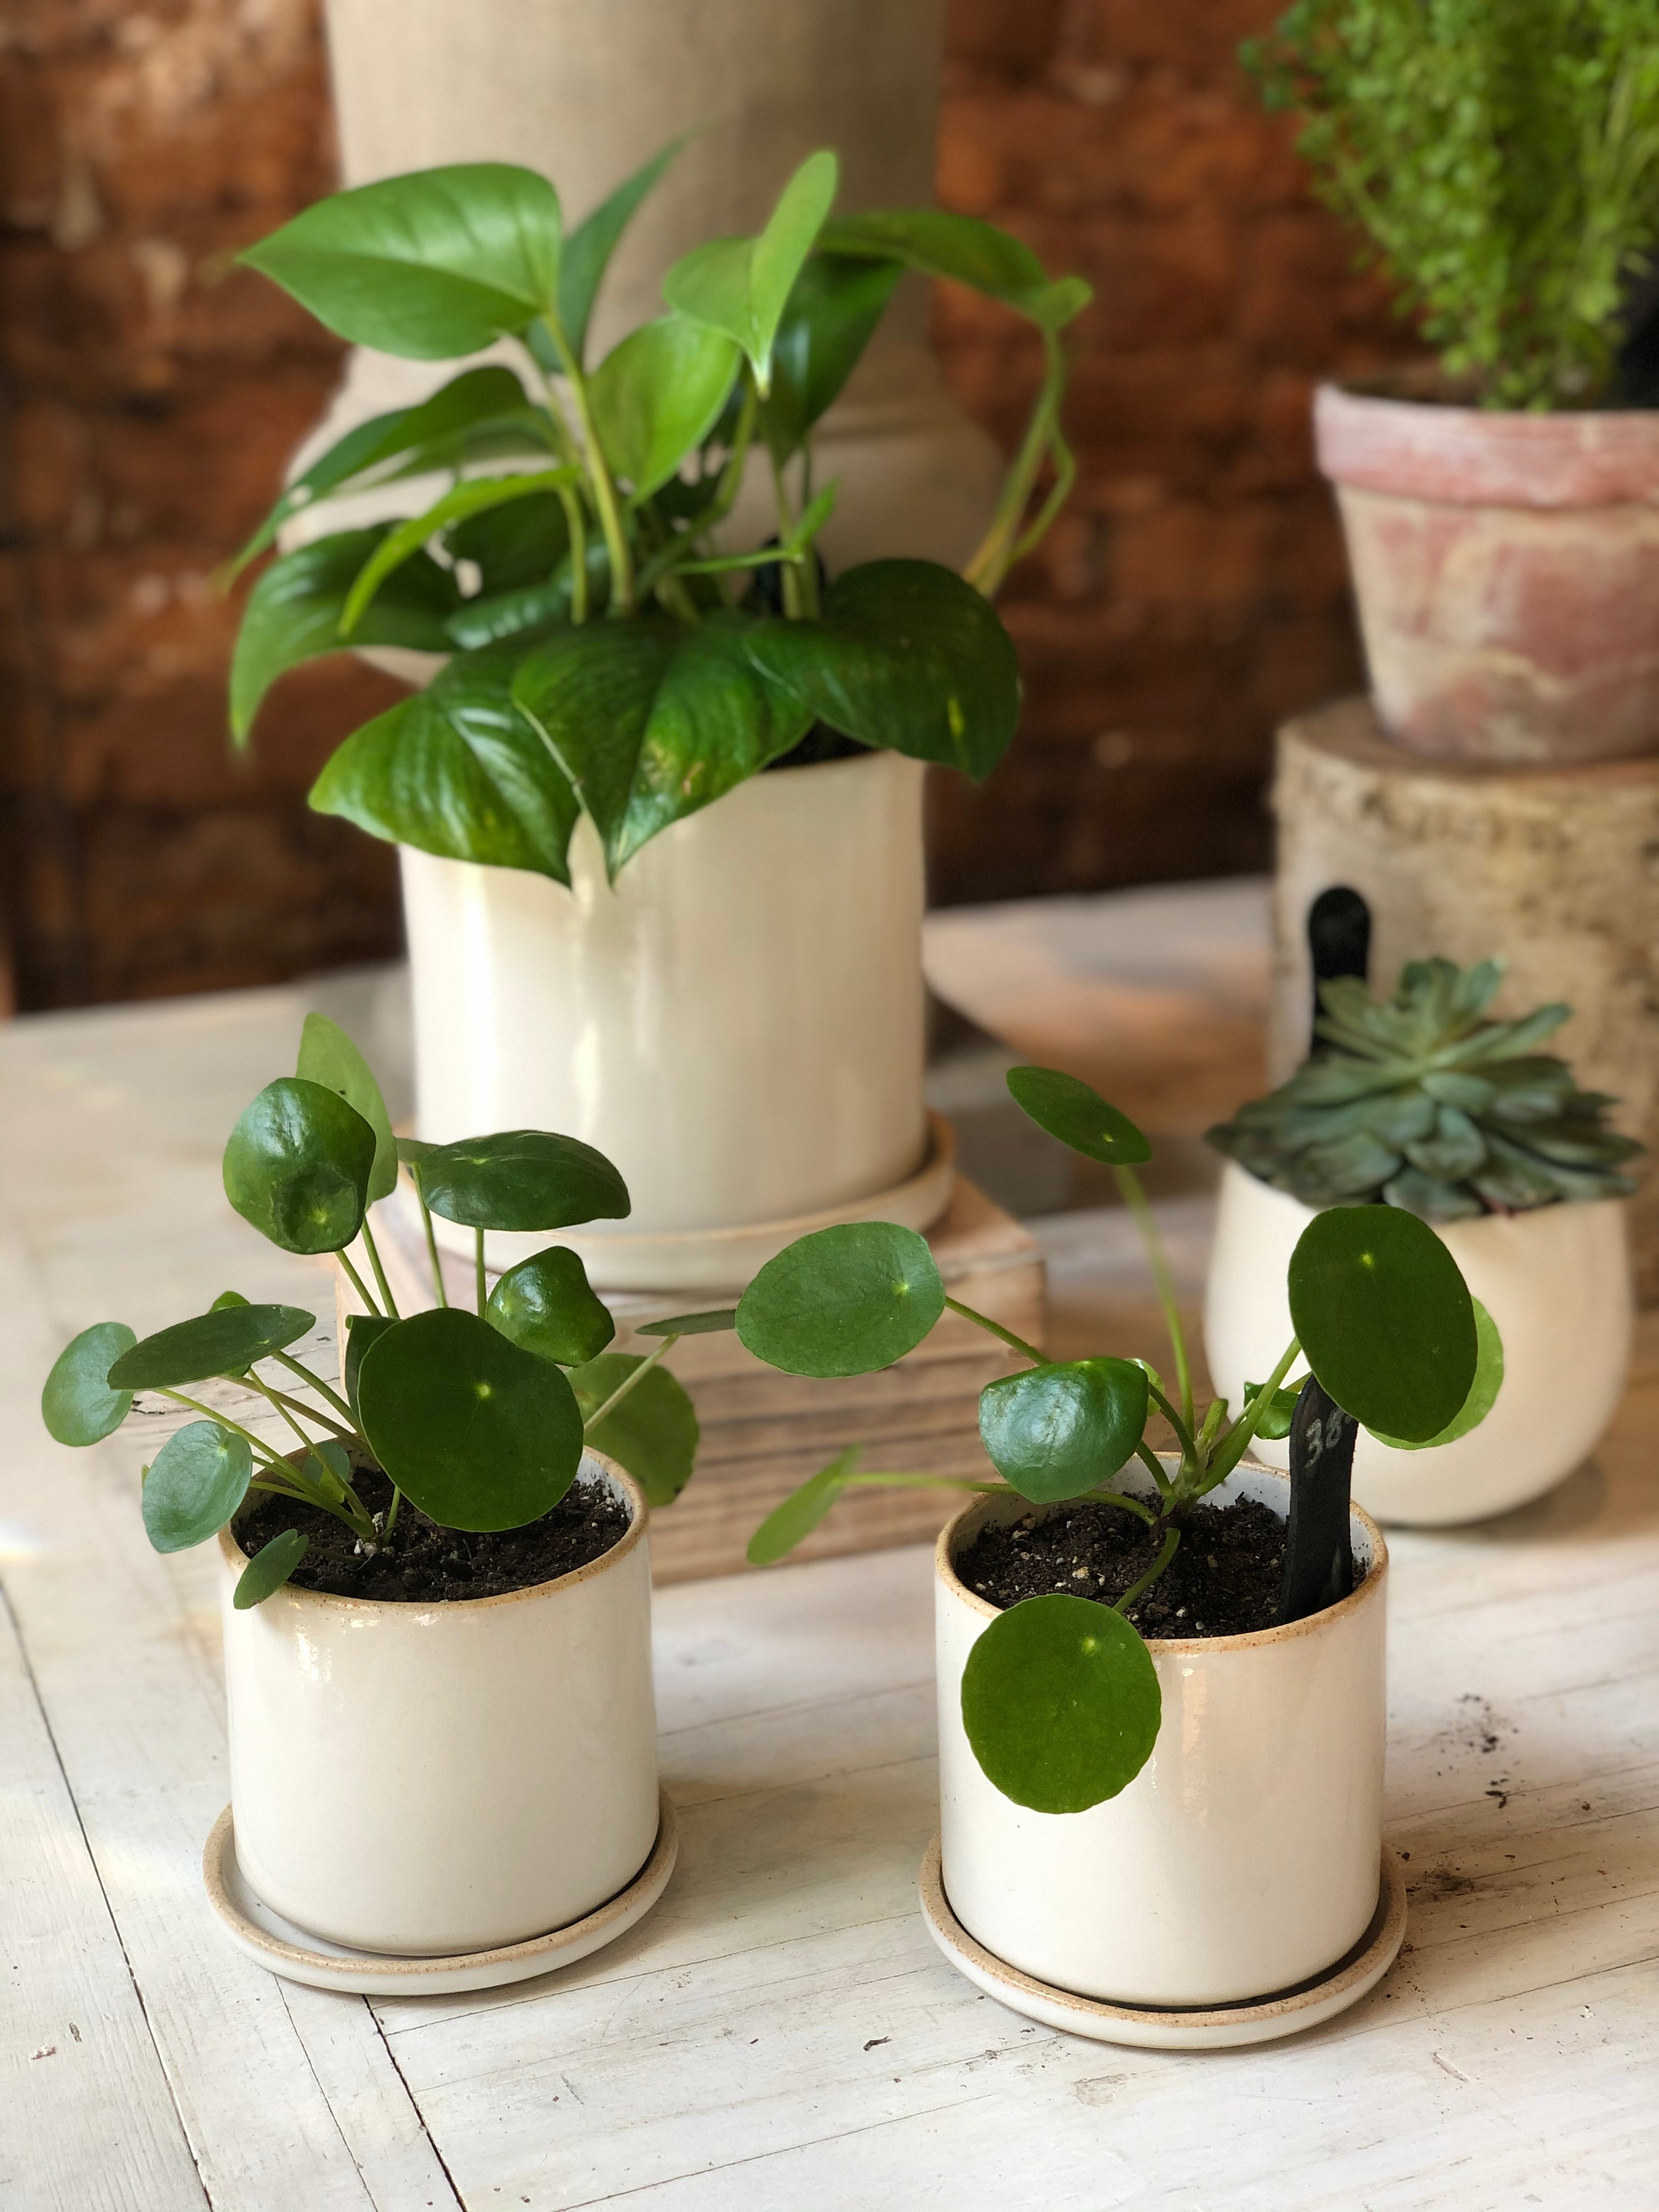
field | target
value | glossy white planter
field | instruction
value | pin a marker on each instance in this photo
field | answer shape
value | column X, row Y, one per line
column 1242, row 1859
column 739, row 1023
column 1556, row 1281
column 430, row 1780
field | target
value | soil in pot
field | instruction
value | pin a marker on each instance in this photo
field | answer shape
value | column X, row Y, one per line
column 425, row 1564
column 1223, row 1581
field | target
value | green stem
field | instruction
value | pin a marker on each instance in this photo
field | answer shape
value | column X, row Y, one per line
column 1149, row 1459
column 392, row 1515
column 359, row 1285
column 628, row 1382
column 996, row 1328
column 598, row 475
column 1167, row 1551
column 794, row 604
column 1183, row 1434
column 1135, row 1197
column 1238, row 1437
column 1134, row 1505
column 431, row 1247
column 372, row 1250
column 360, row 1518
column 997, row 550
column 262, row 1451
column 478, row 1270
column 333, row 1397
column 576, row 526
column 336, row 1429
column 731, row 475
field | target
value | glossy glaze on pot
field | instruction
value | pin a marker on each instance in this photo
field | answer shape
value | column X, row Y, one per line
column 1556, row 1282
column 1241, row 1860
column 430, row 1779
column 738, row 1023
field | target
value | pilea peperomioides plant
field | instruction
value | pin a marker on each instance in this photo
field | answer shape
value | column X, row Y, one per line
column 1060, row 1700
column 1421, row 1102
column 477, row 1420
column 608, row 654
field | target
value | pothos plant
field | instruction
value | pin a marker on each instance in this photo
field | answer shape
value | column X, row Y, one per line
column 478, row 1419
column 608, row 654
column 1060, row 1698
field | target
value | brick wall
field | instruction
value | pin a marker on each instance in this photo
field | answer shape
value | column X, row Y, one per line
column 1194, row 594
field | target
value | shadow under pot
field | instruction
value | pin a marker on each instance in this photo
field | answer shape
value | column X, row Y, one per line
column 432, row 1778
column 1557, row 1284
column 1243, row 1858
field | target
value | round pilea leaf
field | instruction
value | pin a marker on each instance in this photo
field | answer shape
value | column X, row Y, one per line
column 77, row 1404
column 269, row 1568
column 1061, row 1702
column 787, row 1524
column 298, row 1166
column 328, row 1056
column 1385, row 1319
column 1483, row 1391
column 196, row 1482
column 524, row 1179
column 1071, row 1110
column 545, row 1305
column 843, row 1300
column 1057, row 1430
column 361, row 1329
column 226, row 1342
column 479, row 1434
column 653, row 1433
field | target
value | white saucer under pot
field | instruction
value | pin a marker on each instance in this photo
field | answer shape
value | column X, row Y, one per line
column 1557, row 1283
column 1242, row 1860
column 432, row 1780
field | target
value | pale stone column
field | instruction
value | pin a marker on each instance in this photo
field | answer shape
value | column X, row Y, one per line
column 586, row 92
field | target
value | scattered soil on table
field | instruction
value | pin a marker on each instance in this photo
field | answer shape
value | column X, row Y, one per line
column 424, row 1563
column 1223, row 1581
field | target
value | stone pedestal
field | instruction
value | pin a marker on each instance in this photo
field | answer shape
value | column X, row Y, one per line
column 586, row 93
column 1556, row 869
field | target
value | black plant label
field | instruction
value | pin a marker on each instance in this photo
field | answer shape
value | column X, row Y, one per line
column 1318, row 1558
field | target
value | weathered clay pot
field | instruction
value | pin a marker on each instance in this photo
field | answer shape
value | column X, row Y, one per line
column 1506, row 567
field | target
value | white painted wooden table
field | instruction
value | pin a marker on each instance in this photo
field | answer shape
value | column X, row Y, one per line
column 781, row 2036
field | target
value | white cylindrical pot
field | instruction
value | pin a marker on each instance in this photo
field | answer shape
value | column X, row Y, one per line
column 1242, row 1858
column 431, row 1779
column 1557, row 1283
column 738, row 1023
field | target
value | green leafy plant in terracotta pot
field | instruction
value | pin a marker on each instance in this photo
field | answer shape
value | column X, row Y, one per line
column 1424, row 1101
column 1168, row 1662
column 1502, row 165
column 465, row 1513
column 580, row 795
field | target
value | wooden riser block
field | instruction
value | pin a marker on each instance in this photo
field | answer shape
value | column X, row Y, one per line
column 763, row 1432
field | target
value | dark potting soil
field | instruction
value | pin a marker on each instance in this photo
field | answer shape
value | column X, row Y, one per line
column 424, row 1563
column 1223, row 1580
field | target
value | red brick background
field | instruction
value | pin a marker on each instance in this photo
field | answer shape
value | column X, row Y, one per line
column 1193, row 595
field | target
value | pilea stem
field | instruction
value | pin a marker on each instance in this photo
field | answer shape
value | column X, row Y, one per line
column 628, row 1382
column 432, row 1246
column 983, row 1320
column 1149, row 1459
column 372, row 1250
column 1183, row 1434
column 478, row 1270
column 1135, row 1197
column 1237, row 1438
column 359, row 1285
column 313, row 1413
column 317, row 1384
column 1167, row 1551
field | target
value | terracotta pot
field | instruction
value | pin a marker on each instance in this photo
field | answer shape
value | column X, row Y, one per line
column 430, row 1780
column 1506, row 567
column 1556, row 1282
column 1243, row 1856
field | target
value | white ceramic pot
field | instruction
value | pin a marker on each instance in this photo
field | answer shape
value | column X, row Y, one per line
column 739, row 1023
column 1242, row 1859
column 1556, row 1282
column 430, row 1780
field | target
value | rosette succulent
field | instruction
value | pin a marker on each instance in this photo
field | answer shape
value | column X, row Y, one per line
column 1421, row 1102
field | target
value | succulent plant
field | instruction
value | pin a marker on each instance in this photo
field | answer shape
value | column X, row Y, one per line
column 1421, row 1102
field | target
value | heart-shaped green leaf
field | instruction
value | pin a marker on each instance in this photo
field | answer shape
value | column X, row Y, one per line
column 801, row 1511
column 196, row 1482
column 478, row 1434
column 226, row 1342
column 272, row 1565
column 692, row 1324
column 1057, row 1430
column 546, row 1305
column 1483, row 1391
column 523, row 1179
column 456, row 770
column 588, row 249
column 361, row 1330
column 298, row 1166
column 964, row 251
column 656, row 396
column 1060, row 1702
column 1385, row 1319
column 843, row 1300
column 907, row 655
column 77, row 1404
column 833, row 314
column 742, row 285
column 1074, row 1111
column 652, row 721
column 431, row 265
column 653, row 1432
column 295, row 610
column 328, row 1056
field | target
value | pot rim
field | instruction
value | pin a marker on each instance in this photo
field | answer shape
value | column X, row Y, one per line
column 235, row 1559
column 1452, row 454
column 1363, row 1593
column 1439, row 1221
